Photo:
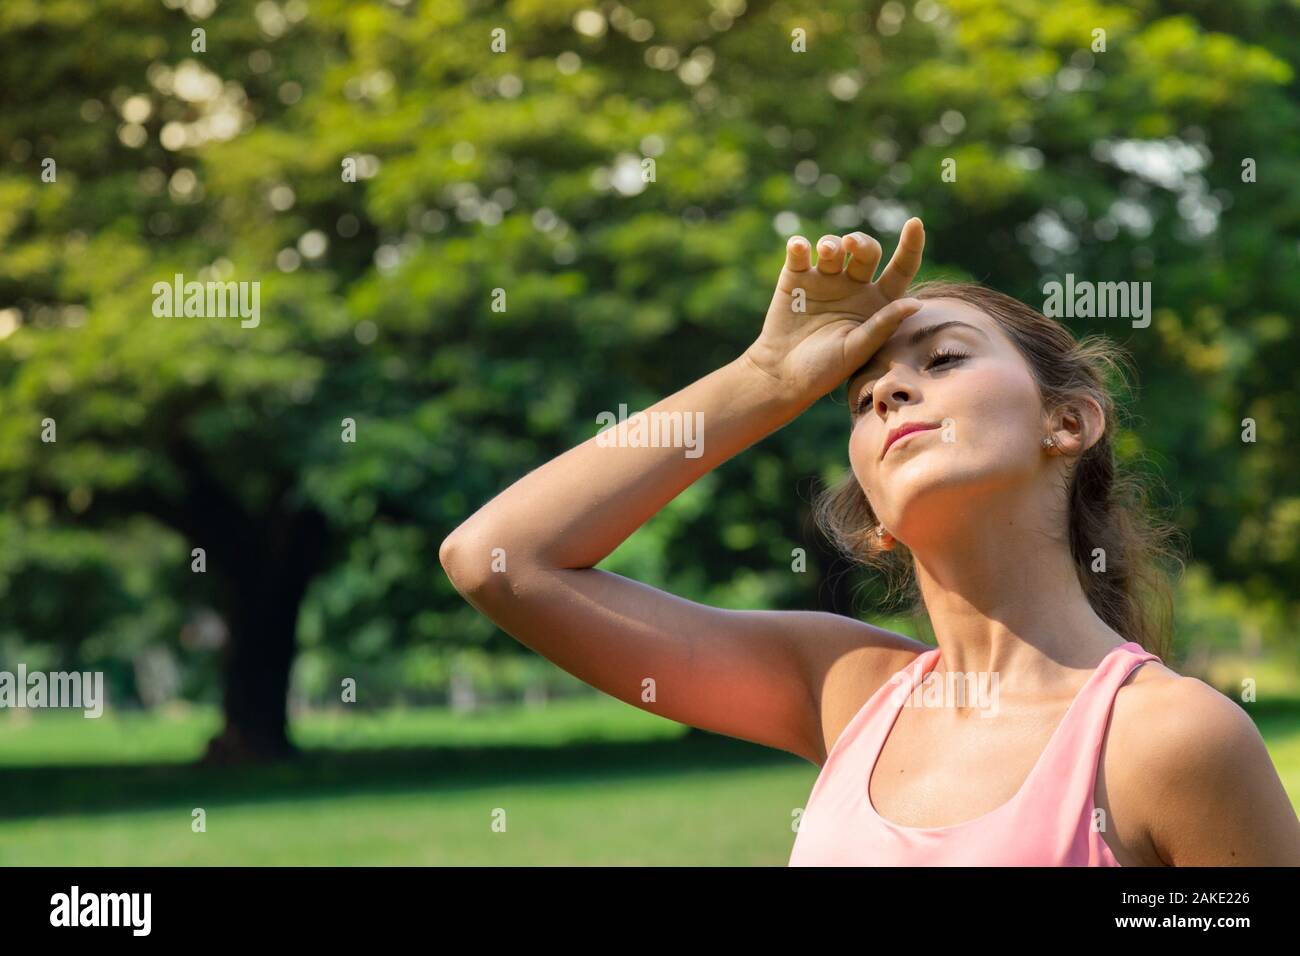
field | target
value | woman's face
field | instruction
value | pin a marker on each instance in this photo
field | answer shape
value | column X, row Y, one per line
column 968, row 381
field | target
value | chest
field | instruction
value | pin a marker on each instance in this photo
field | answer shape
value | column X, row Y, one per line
column 938, row 768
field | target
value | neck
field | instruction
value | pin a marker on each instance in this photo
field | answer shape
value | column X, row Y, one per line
column 1004, row 597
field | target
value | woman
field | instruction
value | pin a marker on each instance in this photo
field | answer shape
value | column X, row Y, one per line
column 980, row 441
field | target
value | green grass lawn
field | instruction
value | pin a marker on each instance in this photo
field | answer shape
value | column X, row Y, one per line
column 587, row 781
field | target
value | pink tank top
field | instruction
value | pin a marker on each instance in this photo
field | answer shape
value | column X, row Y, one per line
column 1049, row 822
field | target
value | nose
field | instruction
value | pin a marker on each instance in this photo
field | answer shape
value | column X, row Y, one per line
column 892, row 390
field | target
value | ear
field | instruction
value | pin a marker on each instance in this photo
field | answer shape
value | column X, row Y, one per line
column 1078, row 426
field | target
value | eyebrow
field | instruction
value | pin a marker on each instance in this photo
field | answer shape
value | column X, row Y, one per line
column 920, row 335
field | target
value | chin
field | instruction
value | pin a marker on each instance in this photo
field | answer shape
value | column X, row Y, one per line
column 945, row 486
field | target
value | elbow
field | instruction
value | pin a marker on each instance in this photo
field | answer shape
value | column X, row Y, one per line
column 465, row 563
column 475, row 562
column 488, row 564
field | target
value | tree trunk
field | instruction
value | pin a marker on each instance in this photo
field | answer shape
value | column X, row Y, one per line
column 266, row 585
column 257, row 663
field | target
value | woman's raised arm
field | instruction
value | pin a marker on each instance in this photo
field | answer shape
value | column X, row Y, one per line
column 526, row 558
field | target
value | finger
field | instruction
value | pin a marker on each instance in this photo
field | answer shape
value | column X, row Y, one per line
column 798, row 254
column 830, row 255
column 864, row 256
column 864, row 341
column 905, row 262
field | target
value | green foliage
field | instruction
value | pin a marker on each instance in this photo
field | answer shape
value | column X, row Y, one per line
column 521, row 171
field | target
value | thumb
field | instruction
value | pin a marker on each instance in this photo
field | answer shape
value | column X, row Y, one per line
column 864, row 341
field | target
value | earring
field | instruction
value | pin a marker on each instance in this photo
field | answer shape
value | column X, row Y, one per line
column 1049, row 441
column 880, row 531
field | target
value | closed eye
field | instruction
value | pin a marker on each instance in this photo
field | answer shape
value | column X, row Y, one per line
column 937, row 358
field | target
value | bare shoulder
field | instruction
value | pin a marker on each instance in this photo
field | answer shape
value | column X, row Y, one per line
column 1166, row 720
column 845, row 664
column 1189, row 765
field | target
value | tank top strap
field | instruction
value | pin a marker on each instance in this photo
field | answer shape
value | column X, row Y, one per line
column 1066, row 773
column 872, row 724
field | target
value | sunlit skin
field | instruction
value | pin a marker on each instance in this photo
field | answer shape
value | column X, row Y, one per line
column 982, row 506
column 979, row 501
column 1184, row 777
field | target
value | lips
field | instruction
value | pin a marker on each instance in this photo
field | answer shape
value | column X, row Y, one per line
column 902, row 430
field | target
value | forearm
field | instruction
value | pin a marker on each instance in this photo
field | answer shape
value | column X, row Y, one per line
column 577, row 508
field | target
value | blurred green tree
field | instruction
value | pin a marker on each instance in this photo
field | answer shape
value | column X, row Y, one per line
column 625, row 180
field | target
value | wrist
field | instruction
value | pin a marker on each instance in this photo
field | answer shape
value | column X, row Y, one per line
column 774, row 390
